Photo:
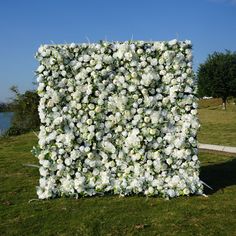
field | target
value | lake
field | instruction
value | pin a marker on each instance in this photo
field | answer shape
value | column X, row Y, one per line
column 5, row 121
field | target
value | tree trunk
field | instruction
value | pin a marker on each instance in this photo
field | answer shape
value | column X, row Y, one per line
column 224, row 103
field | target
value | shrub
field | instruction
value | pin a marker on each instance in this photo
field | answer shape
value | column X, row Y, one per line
column 25, row 108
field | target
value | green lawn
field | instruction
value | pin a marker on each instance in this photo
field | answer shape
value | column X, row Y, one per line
column 112, row 215
column 217, row 126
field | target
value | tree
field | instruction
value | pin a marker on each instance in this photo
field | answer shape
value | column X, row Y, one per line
column 5, row 107
column 25, row 108
column 217, row 76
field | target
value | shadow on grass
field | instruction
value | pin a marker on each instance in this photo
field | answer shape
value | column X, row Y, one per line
column 219, row 176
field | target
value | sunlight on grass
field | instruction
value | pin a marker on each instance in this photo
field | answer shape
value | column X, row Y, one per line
column 112, row 215
column 217, row 126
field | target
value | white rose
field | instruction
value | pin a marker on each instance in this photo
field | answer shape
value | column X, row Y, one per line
column 171, row 193
column 98, row 66
column 41, row 68
column 108, row 146
column 154, row 62
column 172, row 42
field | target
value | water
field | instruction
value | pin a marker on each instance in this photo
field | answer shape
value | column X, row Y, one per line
column 5, row 121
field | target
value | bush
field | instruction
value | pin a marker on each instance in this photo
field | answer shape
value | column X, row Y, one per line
column 13, row 130
column 25, row 108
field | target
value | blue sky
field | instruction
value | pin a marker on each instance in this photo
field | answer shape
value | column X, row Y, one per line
column 24, row 25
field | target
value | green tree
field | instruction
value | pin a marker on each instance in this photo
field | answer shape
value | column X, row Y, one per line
column 217, row 76
column 25, row 108
column 5, row 107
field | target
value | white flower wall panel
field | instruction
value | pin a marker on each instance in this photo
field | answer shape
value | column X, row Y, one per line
column 117, row 118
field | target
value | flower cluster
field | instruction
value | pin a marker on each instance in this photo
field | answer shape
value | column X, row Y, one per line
column 119, row 118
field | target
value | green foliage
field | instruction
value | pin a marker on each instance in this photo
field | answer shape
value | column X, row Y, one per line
column 15, row 130
column 25, row 108
column 111, row 215
column 5, row 107
column 217, row 76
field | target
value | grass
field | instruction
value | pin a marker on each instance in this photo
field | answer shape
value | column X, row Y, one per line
column 112, row 215
column 217, row 126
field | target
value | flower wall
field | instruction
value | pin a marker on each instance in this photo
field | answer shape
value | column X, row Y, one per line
column 117, row 118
